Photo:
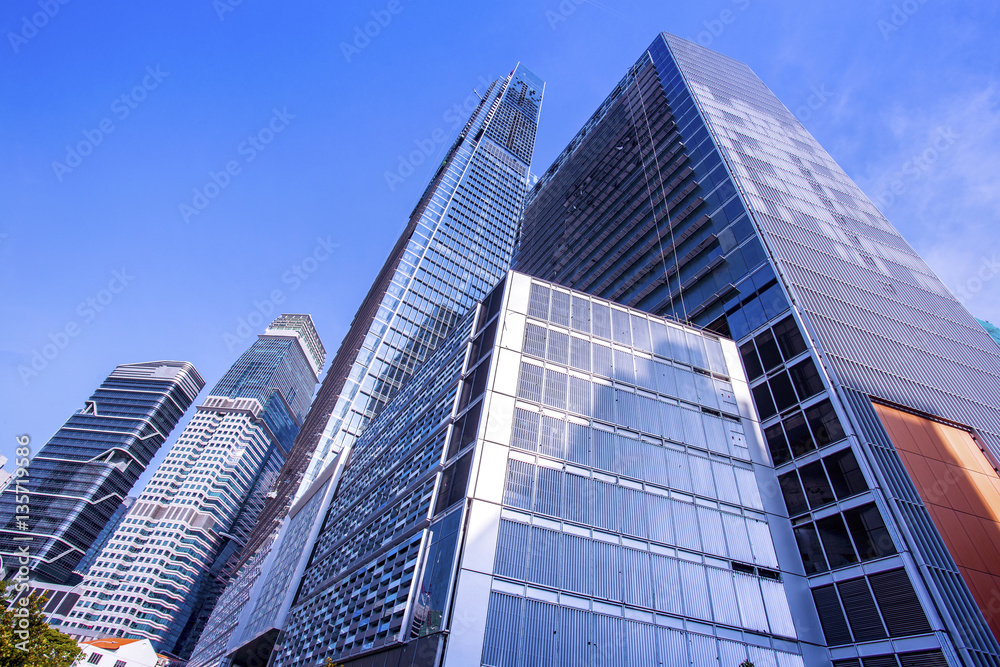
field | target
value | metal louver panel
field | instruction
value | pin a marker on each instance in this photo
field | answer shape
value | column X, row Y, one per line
column 862, row 613
column 899, row 604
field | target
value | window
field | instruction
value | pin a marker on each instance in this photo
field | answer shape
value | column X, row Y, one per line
column 806, row 379
column 120, row 663
column 836, row 542
column 824, row 423
column 94, row 658
column 789, row 338
column 776, row 442
column 781, row 389
column 869, row 532
column 816, row 486
column 768, row 349
column 845, row 474
column 750, row 361
column 795, row 500
column 810, row 549
column 762, row 397
column 799, row 438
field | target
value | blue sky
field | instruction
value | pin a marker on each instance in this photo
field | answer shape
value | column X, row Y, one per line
column 225, row 153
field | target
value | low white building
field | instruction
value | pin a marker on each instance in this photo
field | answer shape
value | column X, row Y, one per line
column 118, row 652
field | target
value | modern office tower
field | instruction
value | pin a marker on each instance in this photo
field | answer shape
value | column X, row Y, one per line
column 104, row 536
column 693, row 192
column 564, row 482
column 456, row 246
column 157, row 577
column 77, row 480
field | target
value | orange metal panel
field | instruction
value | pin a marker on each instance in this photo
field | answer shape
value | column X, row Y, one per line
column 961, row 490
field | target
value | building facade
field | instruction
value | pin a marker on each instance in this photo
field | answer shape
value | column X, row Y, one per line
column 80, row 477
column 158, row 576
column 692, row 192
column 565, row 482
column 456, row 246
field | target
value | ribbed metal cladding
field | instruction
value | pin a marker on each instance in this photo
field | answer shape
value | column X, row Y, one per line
column 885, row 322
column 943, row 578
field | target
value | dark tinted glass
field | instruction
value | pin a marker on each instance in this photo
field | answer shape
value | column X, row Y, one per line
column 750, row 361
column 806, row 379
column 823, row 421
column 789, row 338
column 775, row 436
column 799, row 438
column 836, row 542
column 810, row 549
column 781, row 390
column 762, row 397
column 869, row 532
column 795, row 500
column 816, row 486
column 768, row 349
column 845, row 474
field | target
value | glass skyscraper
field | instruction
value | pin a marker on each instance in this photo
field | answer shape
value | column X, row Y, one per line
column 693, row 192
column 158, row 576
column 564, row 482
column 457, row 244
column 81, row 476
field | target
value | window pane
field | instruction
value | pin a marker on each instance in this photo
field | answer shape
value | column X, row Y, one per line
column 558, row 347
column 810, row 549
column 799, row 438
column 817, row 488
column 781, row 389
column 534, row 340
column 762, row 397
column 768, row 349
column 823, row 421
column 795, row 500
column 869, row 532
column 839, row 550
column 845, row 474
column 806, row 379
column 789, row 338
column 581, row 314
column 776, row 443
column 750, row 361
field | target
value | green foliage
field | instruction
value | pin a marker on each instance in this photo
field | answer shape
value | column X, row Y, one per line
column 746, row 663
column 26, row 639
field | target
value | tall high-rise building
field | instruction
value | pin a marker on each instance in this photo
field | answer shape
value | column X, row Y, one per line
column 693, row 192
column 80, row 477
column 158, row 576
column 564, row 482
column 457, row 244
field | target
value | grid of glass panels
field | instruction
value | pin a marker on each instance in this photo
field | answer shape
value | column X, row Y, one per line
column 399, row 478
column 629, row 488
